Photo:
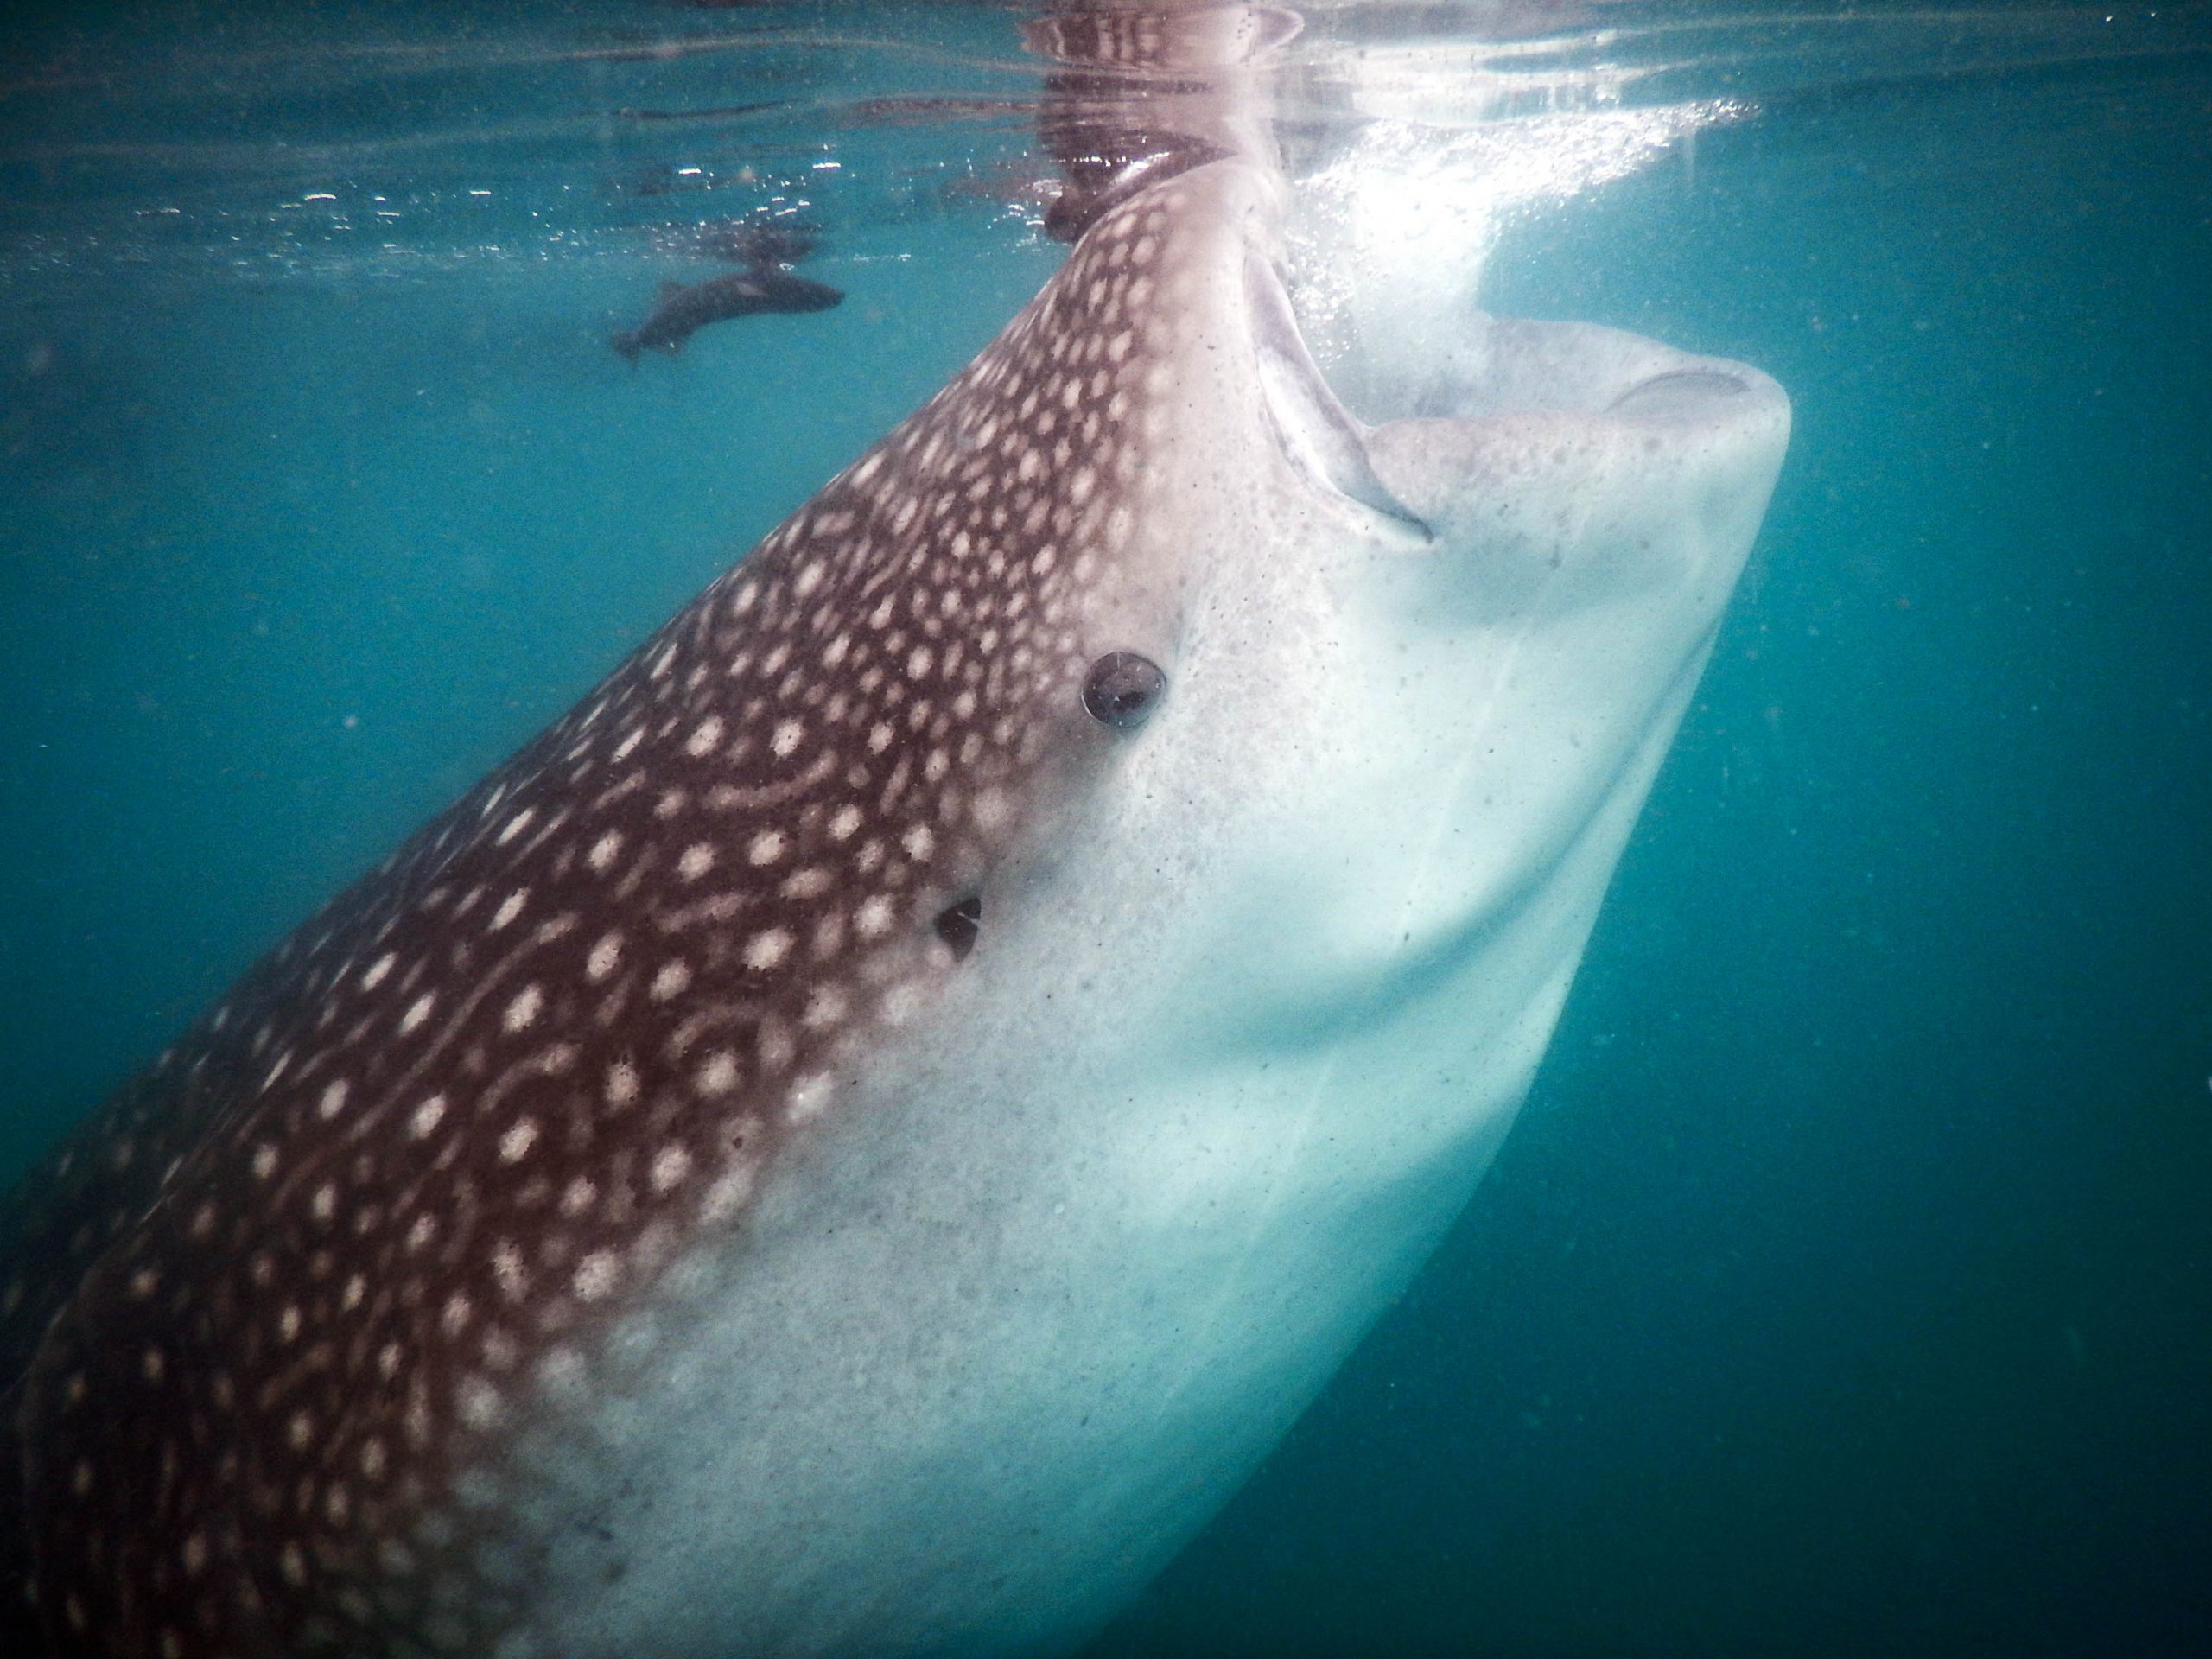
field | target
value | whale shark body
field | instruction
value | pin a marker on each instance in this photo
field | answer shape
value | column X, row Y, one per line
column 860, row 1137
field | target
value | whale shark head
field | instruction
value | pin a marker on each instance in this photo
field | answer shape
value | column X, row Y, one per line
column 858, row 1137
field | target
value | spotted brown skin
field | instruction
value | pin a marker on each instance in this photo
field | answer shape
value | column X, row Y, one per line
column 272, row 1323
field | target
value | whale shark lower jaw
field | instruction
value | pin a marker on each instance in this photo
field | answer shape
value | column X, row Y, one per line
column 859, row 1139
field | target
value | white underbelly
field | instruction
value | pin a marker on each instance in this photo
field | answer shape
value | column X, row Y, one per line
column 977, row 1367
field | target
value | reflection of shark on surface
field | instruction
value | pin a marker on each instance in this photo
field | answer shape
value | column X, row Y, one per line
column 860, row 1137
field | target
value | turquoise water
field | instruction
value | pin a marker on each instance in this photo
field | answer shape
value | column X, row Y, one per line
column 1846, row 1285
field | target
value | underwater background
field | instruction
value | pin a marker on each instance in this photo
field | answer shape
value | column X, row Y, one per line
column 1846, row 1284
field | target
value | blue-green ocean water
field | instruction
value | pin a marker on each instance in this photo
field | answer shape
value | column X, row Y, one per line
column 1846, row 1285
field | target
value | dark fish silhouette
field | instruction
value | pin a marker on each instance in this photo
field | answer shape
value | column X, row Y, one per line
column 684, row 309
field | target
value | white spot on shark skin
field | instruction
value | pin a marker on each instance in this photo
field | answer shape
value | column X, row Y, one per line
column 511, row 1276
column 670, row 1167
column 704, row 737
column 479, row 1404
column 809, row 1098
column 622, row 1085
column 596, row 1276
column 767, row 950
column 727, row 1193
column 522, row 1012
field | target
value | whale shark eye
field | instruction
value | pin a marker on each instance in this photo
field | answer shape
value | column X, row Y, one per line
column 1122, row 688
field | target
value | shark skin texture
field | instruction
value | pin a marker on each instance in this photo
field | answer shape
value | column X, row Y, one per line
column 860, row 1137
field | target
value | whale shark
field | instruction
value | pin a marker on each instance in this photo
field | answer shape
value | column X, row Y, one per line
column 860, row 1137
